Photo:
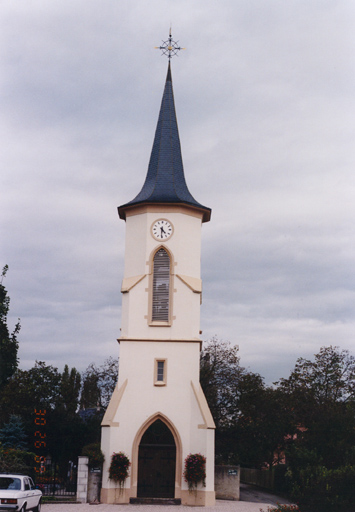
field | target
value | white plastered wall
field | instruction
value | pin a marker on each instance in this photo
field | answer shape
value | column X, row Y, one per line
column 136, row 398
column 176, row 401
column 184, row 247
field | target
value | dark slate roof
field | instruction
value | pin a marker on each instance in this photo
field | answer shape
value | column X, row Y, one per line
column 165, row 180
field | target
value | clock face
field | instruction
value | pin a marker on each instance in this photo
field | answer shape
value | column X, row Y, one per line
column 162, row 229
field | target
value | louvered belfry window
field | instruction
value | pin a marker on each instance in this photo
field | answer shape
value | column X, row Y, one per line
column 161, row 284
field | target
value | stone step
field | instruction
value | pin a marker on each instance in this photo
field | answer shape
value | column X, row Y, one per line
column 155, row 501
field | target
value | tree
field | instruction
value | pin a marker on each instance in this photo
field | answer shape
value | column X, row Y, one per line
column 98, row 384
column 13, row 435
column 47, row 402
column 69, row 389
column 329, row 378
column 43, row 393
column 8, row 342
column 321, row 397
column 219, row 375
column 251, row 424
column 16, row 461
column 90, row 393
column 27, row 390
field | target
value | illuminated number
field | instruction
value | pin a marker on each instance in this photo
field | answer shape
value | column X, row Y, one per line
column 39, row 434
column 40, row 421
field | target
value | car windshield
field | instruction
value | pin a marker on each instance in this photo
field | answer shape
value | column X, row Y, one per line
column 10, row 484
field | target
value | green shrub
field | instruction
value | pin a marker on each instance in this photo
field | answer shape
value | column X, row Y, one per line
column 318, row 489
column 96, row 457
column 281, row 483
column 16, row 461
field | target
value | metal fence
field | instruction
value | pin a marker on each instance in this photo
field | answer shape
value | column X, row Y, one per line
column 261, row 478
column 273, row 480
column 58, row 480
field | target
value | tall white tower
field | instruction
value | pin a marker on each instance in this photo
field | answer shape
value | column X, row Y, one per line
column 158, row 413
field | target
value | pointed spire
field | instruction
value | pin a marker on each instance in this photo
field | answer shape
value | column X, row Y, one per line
column 165, row 180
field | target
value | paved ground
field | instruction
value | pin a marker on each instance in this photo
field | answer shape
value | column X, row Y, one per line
column 254, row 495
column 221, row 506
column 252, row 500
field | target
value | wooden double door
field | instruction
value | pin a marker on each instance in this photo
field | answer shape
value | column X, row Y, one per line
column 157, row 462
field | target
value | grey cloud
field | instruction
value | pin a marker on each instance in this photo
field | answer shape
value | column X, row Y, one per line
column 264, row 97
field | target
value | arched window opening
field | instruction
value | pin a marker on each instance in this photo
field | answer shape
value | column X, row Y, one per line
column 161, row 286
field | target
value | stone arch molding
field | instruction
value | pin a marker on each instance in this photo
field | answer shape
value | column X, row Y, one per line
column 153, row 253
column 135, row 449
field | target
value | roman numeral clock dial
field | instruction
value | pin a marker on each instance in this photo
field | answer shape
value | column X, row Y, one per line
column 162, row 229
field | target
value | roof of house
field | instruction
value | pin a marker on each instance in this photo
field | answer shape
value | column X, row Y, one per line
column 165, row 180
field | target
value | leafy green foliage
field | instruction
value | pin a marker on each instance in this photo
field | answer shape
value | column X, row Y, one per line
column 309, row 418
column 321, row 396
column 8, row 342
column 252, row 423
column 27, row 390
column 43, row 388
column 98, row 384
column 69, row 389
column 16, row 461
column 12, row 434
column 219, row 375
column 96, row 457
column 328, row 379
column 319, row 489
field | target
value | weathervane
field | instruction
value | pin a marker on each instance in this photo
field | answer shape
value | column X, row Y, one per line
column 170, row 47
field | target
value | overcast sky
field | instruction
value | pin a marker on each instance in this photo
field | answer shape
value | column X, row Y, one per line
column 264, row 95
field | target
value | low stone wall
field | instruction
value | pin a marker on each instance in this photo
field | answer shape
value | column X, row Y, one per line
column 82, row 487
column 227, row 482
column 89, row 482
column 94, row 485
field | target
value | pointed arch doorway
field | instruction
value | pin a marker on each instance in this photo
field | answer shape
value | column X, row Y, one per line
column 156, row 462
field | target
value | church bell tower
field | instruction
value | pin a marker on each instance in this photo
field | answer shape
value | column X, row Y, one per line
column 158, row 414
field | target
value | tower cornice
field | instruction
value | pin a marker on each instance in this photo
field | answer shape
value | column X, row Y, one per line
column 140, row 208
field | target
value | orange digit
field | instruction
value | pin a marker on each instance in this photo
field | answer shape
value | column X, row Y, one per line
column 40, row 412
column 38, row 444
column 39, row 434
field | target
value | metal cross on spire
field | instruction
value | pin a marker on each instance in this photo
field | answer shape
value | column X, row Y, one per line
column 170, row 48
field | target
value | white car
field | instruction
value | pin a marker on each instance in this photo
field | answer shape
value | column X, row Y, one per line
column 18, row 492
